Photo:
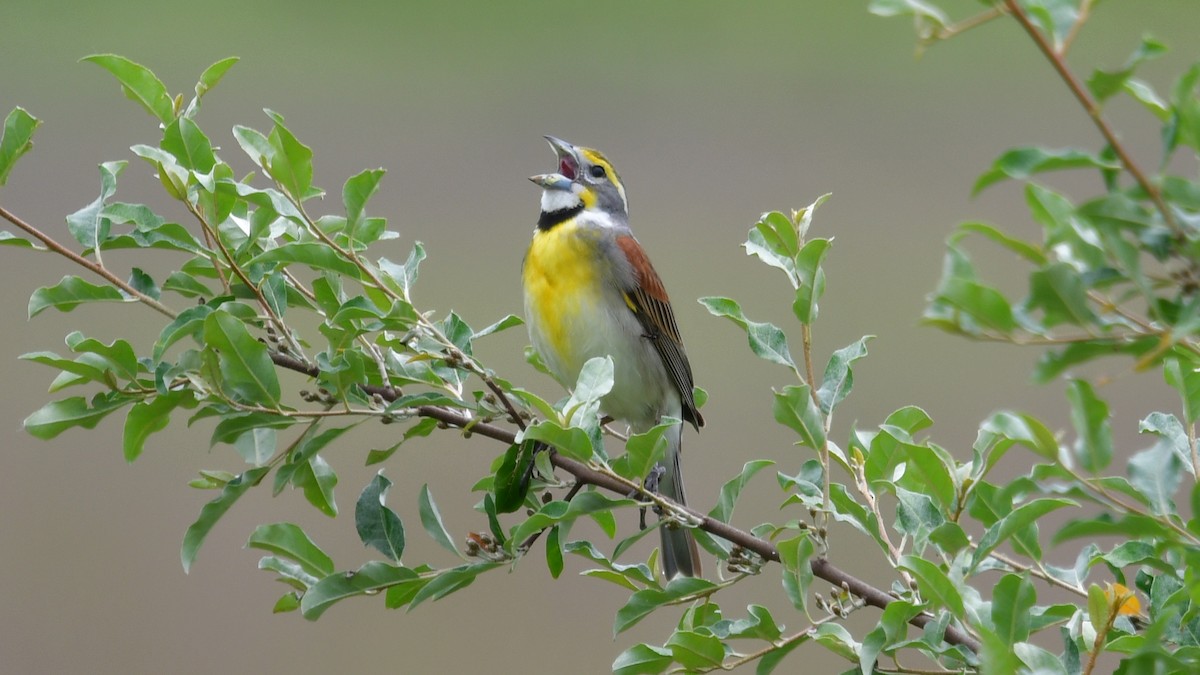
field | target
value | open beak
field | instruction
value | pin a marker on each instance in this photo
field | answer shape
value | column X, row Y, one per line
column 568, row 166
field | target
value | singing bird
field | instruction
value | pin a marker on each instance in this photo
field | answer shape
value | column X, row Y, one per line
column 590, row 291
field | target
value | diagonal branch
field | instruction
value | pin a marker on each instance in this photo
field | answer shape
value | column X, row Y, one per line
column 821, row 567
column 95, row 268
column 1093, row 111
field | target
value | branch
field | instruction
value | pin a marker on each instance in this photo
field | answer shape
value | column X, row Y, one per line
column 821, row 567
column 1093, row 111
column 95, row 268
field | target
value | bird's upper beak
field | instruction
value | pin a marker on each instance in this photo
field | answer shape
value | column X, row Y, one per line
column 568, row 166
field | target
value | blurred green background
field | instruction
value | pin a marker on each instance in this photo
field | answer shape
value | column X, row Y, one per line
column 713, row 112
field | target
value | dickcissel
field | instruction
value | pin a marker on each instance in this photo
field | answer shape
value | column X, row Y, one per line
column 590, row 291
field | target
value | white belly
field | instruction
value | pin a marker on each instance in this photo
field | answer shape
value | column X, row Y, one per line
column 598, row 326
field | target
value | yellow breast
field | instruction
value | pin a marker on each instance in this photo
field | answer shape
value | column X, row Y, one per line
column 562, row 291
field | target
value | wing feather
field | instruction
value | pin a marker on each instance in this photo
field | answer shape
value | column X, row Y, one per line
column 649, row 302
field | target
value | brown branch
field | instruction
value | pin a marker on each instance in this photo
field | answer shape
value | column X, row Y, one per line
column 821, row 567
column 95, row 268
column 1093, row 111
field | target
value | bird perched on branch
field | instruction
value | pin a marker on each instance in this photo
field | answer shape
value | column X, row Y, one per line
column 590, row 291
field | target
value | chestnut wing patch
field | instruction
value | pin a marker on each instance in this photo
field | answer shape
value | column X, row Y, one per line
column 652, row 307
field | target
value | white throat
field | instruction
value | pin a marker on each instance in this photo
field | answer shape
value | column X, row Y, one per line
column 557, row 200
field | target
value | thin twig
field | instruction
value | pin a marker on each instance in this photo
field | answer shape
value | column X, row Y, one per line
column 959, row 27
column 272, row 316
column 1093, row 111
column 1085, row 11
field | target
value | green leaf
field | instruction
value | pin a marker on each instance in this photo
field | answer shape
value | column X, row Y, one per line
column 139, row 84
column 771, row 660
column 213, row 74
column 1014, row 521
column 642, row 659
column 10, row 239
column 934, row 472
column 554, row 552
column 1155, row 473
column 290, row 541
column 257, row 446
column 54, row 418
column 290, row 163
column 758, row 625
column 232, row 426
column 69, row 293
column 583, row 504
column 355, row 194
column 88, row 225
column 87, row 368
column 695, row 650
column 773, row 239
column 247, row 371
column 1098, row 607
column 422, row 428
column 732, row 489
column 794, row 555
column 190, row 322
column 211, row 512
column 405, row 276
column 16, row 140
column 1060, row 292
column 255, row 145
column 431, row 520
column 919, row 517
column 314, row 254
column 892, row 628
column 368, row 579
column 838, row 379
column 450, row 581
column 981, row 302
column 1023, row 429
column 1089, row 416
column 644, row 602
column 316, row 479
column 503, row 324
column 572, row 442
column 934, row 583
column 191, row 148
column 1023, row 163
column 119, row 354
column 812, row 279
column 1105, row 84
column 837, row 639
column 1168, row 428
column 642, row 451
column 1038, row 660
column 594, row 382
column 766, row 340
column 288, row 602
column 143, row 283
column 1184, row 377
column 147, row 417
column 377, row 525
column 511, row 482
column 1029, row 251
column 795, row 409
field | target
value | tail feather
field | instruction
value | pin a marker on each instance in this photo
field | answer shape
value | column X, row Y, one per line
column 680, row 554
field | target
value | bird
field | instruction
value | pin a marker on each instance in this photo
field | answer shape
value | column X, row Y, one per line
column 590, row 291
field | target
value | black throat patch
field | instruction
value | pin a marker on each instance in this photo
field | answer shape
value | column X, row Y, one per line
column 549, row 219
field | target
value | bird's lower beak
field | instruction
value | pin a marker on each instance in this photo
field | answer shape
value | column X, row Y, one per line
column 552, row 181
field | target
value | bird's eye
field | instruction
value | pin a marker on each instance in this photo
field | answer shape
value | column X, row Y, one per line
column 597, row 171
